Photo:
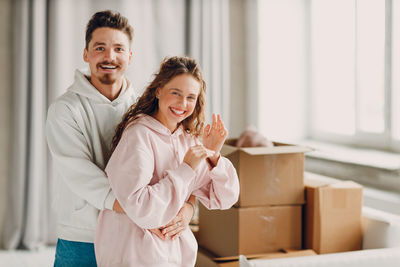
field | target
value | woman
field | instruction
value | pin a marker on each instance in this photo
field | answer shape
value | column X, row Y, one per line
column 158, row 162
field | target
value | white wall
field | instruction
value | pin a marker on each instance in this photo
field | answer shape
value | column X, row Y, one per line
column 282, row 65
column 5, row 100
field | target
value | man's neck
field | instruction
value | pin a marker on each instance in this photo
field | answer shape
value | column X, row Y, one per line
column 111, row 91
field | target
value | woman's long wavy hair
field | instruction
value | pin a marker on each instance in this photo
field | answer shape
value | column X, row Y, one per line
column 148, row 103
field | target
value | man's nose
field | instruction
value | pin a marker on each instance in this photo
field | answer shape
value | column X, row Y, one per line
column 109, row 55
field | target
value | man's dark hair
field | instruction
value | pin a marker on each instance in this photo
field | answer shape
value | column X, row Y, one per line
column 108, row 19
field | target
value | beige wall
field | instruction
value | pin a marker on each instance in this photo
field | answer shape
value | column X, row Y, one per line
column 238, row 81
column 5, row 102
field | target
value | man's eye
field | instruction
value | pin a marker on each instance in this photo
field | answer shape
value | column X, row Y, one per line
column 175, row 93
column 99, row 48
column 119, row 49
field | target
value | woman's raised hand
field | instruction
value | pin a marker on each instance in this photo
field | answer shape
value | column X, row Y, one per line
column 214, row 137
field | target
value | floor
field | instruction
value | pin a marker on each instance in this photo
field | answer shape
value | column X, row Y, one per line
column 22, row 258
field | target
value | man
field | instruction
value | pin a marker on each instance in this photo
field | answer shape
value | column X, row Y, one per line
column 79, row 129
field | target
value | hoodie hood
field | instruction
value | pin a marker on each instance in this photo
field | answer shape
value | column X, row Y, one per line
column 83, row 87
column 157, row 126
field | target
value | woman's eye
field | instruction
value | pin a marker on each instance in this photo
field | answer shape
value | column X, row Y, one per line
column 119, row 49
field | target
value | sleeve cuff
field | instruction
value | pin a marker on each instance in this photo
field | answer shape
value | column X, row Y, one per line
column 221, row 167
column 109, row 201
column 187, row 170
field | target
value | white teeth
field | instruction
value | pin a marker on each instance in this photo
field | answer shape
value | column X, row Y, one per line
column 108, row 67
column 177, row 112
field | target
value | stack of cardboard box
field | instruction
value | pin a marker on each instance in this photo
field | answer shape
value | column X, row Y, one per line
column 268, row 215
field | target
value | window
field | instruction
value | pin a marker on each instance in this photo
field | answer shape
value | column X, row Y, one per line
column 332, row 66
column 354, row 88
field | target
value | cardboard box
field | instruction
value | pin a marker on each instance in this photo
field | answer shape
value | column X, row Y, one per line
column 332, row 219
column 205, row 259
column 268, row 175
column 252, row 230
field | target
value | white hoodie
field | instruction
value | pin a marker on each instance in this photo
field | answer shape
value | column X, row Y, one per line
column 79, row 129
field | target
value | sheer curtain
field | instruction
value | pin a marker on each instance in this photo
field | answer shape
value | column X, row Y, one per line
column 27, row 211
column 48, row 42
column 208, row 41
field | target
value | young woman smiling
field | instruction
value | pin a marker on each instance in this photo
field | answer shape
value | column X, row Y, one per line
column 163, row 154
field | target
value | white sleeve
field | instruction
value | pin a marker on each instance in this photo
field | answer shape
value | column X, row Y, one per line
column 73, row 160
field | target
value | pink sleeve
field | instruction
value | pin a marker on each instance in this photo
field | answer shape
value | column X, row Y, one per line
column 130, row 170
column 222, row 189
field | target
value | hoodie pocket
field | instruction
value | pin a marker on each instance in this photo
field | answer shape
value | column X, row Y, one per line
column 79, row 204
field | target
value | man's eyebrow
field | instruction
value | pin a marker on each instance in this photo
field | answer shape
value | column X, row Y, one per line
column 98, row 43
column 102, row 43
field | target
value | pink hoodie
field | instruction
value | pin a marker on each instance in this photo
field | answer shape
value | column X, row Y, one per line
column 151, row 182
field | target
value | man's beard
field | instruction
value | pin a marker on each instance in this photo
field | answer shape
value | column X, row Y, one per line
column 107, row 79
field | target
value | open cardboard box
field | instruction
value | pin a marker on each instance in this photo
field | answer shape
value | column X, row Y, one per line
column 268, row 175
column 252, row 230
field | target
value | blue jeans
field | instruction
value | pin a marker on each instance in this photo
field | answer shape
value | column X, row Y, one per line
column 74, row 254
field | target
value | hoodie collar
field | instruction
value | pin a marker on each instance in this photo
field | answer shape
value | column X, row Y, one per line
column 82, row 86
column 157, row 126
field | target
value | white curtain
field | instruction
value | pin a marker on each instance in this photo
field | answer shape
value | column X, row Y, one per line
column 208, row 41
column 48, row 42
column 27, row 215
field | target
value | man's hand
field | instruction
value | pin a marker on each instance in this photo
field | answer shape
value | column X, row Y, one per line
column 117, row 207
column 175, row 228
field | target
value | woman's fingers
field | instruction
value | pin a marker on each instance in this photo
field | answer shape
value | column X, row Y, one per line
column 214, row 122
column 207, row 130
column 201, row 151
column 223, row 131
column 158, row 233
column 194, row 156
column 219, row 122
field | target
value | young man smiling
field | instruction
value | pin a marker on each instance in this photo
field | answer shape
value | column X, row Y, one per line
column 79, row 129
